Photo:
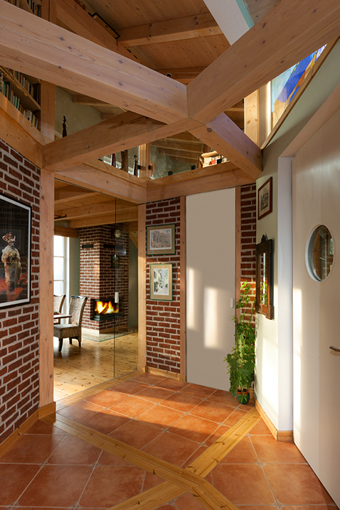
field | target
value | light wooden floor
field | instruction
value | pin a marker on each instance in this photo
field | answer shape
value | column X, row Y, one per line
column 96, row 362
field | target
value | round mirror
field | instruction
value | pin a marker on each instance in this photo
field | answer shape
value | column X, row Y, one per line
column 320, row 253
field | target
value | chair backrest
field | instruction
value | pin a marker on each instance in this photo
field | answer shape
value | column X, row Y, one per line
column 77, row 305
column 58, row 302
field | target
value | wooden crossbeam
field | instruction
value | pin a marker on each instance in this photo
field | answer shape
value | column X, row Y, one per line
column 73, row 16
column 113, row 135
column 65, row 231
column 289, row 33
column 183, row 75
column 34, row 46
column 108, row 207
column 229, row 141
column 106, row 219
column 190, row 27
column 67, row 193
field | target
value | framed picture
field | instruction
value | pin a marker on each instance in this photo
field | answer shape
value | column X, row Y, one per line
column 265, row 199
column 161, row 282
column 15, row 252
column 161, row 240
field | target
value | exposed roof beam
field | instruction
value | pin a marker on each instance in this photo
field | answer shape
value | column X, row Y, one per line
column 228, row 139
column 123, row 216
column 68, row 193
column 65, row 231
column 34, row 46
column 201, row 25
column 79, row 21
column 93, row 210
column 97, row 176
column 232, row 17
column 290, row 32
column 110, row 136
column 184, row 75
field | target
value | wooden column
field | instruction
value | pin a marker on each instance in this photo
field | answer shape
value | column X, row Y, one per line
column 251, row 117
column 183, row 326
column 141, row 288
column 145, row 161
column 47, row 90
column 46, row 287
column 125, row 160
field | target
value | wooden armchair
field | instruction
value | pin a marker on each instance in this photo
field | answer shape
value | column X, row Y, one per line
column 73, row 328
column 58, row 302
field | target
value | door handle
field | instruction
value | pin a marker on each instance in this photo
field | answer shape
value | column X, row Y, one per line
column 334, row 348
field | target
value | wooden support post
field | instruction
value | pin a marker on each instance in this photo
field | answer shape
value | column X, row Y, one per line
column 47, row 90
column 145, row 161
column 251, row 117
column 46, row 287
column 141, row 288
column 125, row 160
column 183, row 329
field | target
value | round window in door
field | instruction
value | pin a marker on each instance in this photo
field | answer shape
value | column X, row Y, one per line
column 320, row 253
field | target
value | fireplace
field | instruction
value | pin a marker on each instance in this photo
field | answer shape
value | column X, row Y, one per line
column 104, row 309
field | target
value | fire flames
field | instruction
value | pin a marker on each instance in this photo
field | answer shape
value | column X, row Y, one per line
column 105, row 307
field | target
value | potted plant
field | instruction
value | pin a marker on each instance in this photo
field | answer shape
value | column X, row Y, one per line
column 241, row 360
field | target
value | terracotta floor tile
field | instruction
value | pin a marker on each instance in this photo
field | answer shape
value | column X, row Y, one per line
column 75, row 451
column 56, row 486
column 259, row 507
column 212, row 411
column 188, row 502
column 276, row 452
column 106, row 398
column 242, row 453
column 136, row 434
column 198, row 391
column 148, row 378
column 40, row 427
column 110, row 485
column 161, row 416
column 182, row 402
column 32, row 449
column 166, row 507
column 224, row 397
column 49, row 508
column 171, row 384
column 80, row 411
column 216, row 434
column 132, row 406
column 14, row 479
column 243, row 484
column 106, row 421
column 172, row 448
column 194, row 428
column 151, row 481
column 234, row 417
column 260, row 429
column 129, row 387
column 295, row 484
column 155, row 394
column 311, row 507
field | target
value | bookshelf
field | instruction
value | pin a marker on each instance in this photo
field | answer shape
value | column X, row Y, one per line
column 21, row 90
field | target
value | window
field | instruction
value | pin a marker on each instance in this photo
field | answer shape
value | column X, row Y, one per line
column 60, row 278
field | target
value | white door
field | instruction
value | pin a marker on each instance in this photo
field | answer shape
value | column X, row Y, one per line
column 316, row 305
column 210, row 254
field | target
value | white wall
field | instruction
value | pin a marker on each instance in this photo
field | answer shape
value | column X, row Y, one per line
column 210, row 247
column 274, row 347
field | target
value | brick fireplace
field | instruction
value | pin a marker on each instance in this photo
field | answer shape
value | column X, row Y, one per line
column 104, row 275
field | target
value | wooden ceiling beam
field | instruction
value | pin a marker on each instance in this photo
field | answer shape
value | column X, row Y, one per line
column 118, row 133
column 74, row 17
column 65, row 231
column 190, row 27
column 100, row 177
column 290, row 32
column 183, row 75
column 73, row 213
column 228, row 140
column 70, row 193
column 106, row 219
column 39, row 48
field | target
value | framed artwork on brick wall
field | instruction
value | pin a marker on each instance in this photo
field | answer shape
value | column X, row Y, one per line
column 161, row 240
column 15, row 252
column 161, row 282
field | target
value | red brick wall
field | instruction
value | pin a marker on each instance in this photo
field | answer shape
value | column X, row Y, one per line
column 163, row 317
column 248, row 238
column 97, row 277
column 19, row 325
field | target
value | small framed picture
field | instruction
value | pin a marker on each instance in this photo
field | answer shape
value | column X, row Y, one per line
column 161, row 282
column 161, row 240
column 15, row 251
column 265, row 199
